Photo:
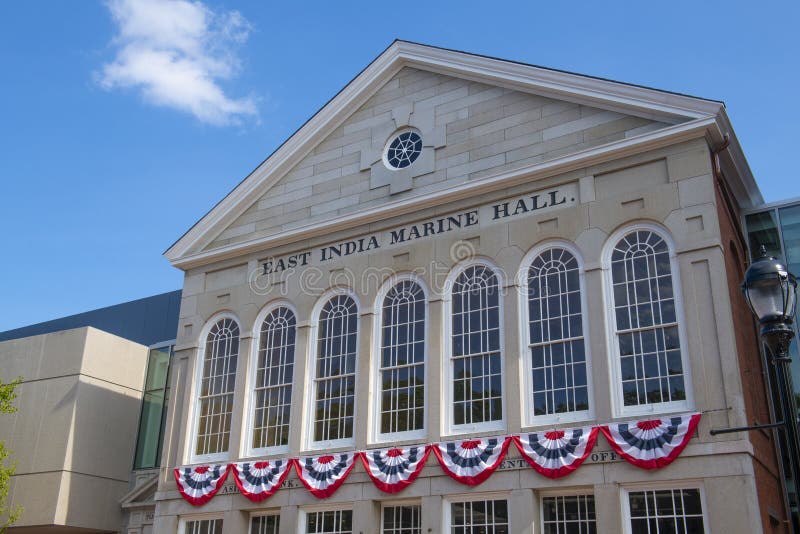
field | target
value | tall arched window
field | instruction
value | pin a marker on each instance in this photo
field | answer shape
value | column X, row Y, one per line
column 476, row 377
column 401, row 373
column 272, row 379
column 558, row 375
column 647, row 335
column 334, row 383
column 216, row 387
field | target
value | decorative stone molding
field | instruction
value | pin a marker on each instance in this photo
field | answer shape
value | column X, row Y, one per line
column 403, row 116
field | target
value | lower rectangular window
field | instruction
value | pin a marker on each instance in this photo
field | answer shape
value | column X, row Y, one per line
column 403, row 519
column 569, row 514
column 670, row 511
column 203, row 526
column 265, row 524
column 329, row 522
column 479, row 517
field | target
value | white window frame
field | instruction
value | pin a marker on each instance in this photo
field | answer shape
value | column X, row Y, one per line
column 569, row 492
column 248, row 451
column 376, row 436
column 526, row 383
column 612, row 339
column 657, row 486
column 472, row 497
column 311, row 373
column 194, row 411
column 262, row 513
column 448, row 427
column 210, row 516
column 400, row 502
column 302, row 517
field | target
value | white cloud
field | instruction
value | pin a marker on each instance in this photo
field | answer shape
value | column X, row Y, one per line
column 176, row 52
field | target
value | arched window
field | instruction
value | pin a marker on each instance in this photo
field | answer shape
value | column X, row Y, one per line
column 555, row 332
column 647, row 334
column 476, row 377
column 401, row 373
column 216, row 387
column 272, row 379
column 334, row 383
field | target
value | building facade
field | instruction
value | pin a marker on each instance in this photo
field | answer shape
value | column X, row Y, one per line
column 457, row 249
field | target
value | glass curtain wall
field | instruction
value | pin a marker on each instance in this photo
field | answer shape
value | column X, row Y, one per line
column 154, row 403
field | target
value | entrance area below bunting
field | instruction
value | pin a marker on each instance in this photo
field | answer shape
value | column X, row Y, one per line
column 471, row 461
column 556, row 453
column 322, row 475
column 259, row 480
column 653, row 443
column 392, row 470
column 199, row 484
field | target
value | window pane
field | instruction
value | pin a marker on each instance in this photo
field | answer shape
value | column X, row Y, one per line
column 206, row 526
column 666, row 511
column 477, row 393
column 334, row 383
column 479, row 517
column 272, row 391
column 557, row 349
column 330, row 522
column 651, row 367
column 403, row 358
column 573, row 513
column 215, row 402
column 265, row 524
column 401, row 520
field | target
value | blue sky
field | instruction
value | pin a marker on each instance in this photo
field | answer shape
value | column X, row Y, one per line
column 111, row 148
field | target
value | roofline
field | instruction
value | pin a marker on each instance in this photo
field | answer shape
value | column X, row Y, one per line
column 562, row 71
column 628, row 98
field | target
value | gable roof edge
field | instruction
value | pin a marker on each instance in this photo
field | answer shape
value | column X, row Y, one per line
column 558, row 84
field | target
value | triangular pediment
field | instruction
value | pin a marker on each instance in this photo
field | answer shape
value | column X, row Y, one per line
column 473, row 119
column 143, row 495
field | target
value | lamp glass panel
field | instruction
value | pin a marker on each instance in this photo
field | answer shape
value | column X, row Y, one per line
column 766, row 297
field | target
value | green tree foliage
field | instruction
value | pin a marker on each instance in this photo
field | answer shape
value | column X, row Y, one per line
column 7, row 515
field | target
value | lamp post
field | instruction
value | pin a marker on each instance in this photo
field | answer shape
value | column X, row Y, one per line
column 770, row 290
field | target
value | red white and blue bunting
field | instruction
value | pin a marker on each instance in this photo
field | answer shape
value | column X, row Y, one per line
column 259, row 480
column 393, row 469
column 323, row 475
column 199, row 484
column 649, row 444
column 557, row 453
column 471, row 461
column 653, row 443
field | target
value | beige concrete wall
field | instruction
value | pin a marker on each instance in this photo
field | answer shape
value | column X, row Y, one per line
column 74, row 433
column 486, row 130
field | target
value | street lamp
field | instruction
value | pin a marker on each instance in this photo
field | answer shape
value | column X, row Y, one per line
column 770, row 290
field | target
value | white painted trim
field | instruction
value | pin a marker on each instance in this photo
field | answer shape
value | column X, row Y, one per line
column 194, row 414
column 625, row 502
column 311, row 372
column 375, row 436
column 190, row 255
column 449, row 429
column 247, row 451
column 526, row 380
column 612, row 340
